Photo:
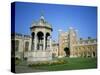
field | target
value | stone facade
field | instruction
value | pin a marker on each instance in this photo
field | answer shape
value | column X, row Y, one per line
column 55, row 47
column 77, row 47
column 22, row 50
column 85, row 48
column 21, row 44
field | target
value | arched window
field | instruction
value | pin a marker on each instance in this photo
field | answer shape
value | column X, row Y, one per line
column 26, row 46
column 16, row 45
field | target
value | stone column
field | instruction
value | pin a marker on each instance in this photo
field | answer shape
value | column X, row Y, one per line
column 35, row 41
column 92, row 54
column 32, row 43
column 44, row 41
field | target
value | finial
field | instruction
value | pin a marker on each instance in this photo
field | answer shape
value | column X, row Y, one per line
column 42, row 14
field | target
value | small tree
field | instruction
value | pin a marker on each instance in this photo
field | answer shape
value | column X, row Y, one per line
column 66, row 49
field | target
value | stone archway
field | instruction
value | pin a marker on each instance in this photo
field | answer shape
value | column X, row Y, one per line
column 67, row 51
column 47, row 40
column 40, row 40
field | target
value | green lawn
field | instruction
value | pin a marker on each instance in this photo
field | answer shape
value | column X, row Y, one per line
column 71, row 64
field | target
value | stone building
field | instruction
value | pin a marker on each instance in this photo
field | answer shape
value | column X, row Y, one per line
column 55, row 47
column 25, row 45
column 85, row 48
column 39, row 45
column 20, row 44
column 77, row 47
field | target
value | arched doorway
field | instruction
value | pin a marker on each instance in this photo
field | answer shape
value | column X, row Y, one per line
column 67, row 51
column 40, row 40
column 47, row 40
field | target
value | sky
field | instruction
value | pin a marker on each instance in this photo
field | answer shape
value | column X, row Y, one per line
column 82, row 18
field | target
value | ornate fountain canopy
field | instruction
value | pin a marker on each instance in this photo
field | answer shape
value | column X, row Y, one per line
column 41, row 23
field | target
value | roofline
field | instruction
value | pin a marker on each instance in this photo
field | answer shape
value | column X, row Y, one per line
column 41, row 27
